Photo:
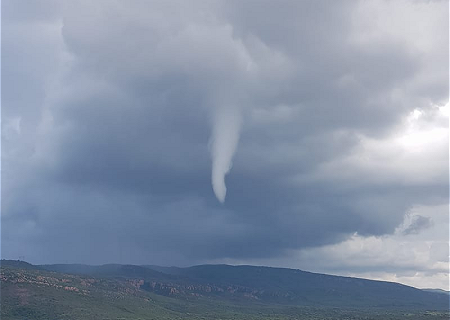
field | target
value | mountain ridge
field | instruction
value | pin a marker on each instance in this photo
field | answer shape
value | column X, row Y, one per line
column 282, row 286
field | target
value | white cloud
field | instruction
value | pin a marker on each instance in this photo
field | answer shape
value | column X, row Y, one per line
column 416, row 152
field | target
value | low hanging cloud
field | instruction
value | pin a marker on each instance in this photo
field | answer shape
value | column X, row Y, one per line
column 417, row 224
column 224, row 141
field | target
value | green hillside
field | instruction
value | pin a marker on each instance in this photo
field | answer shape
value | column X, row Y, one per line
column 204, row 292
column 283, row 285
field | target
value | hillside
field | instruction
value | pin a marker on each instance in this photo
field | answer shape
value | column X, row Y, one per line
column 110, row 270
column 271, row 285
column 283, row 285
column 204, row 292
column 437, row 291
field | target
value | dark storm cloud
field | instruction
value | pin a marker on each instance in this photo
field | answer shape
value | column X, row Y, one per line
column 115, row 103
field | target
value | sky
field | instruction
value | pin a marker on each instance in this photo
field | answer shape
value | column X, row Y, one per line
column 304, row 134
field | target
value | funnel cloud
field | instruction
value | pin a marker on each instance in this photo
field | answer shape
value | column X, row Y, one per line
column 224, row 140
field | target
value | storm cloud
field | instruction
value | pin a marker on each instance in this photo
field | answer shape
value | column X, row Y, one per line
column 118, row 115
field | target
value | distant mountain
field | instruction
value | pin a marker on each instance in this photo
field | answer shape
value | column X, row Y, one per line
column 109, row 270
column 288, row 286
column 17, row 264
column 266, row 284
column 75, row 291
column 437, row 291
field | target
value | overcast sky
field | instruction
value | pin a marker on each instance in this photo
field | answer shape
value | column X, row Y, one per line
column 302, row 134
